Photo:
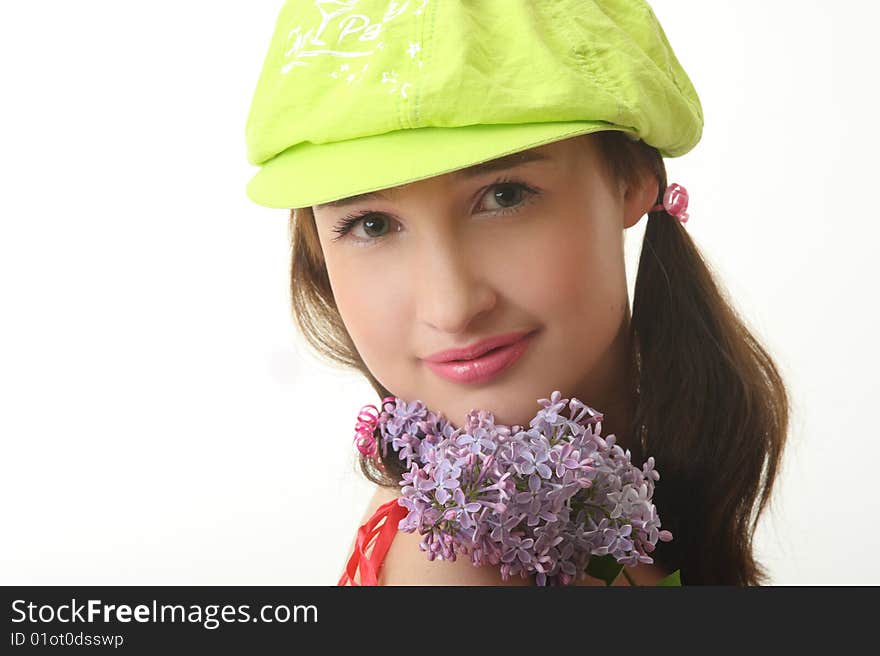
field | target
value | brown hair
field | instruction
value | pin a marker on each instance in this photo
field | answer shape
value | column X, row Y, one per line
column 710, row 404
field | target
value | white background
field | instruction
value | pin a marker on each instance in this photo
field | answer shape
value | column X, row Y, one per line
column 161, row 422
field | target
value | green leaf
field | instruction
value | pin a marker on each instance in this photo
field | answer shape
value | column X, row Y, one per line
column 673, row 579
column 605, row 568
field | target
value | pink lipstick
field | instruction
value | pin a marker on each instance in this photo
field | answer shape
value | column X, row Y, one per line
column 482, row 361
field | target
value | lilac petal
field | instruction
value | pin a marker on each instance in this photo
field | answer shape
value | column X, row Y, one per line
column 535, row 482
column 425, row 485
column 458, row 496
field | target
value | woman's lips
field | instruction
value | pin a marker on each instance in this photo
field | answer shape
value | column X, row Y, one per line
column 483, row 368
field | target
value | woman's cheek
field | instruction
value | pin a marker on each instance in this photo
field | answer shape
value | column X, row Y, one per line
column 558, row 257
column 373, row 308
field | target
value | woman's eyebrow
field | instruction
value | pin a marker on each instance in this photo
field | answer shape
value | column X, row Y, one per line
column 499, row 164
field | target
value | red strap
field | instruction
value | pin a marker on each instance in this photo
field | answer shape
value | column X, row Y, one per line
column 392, row 512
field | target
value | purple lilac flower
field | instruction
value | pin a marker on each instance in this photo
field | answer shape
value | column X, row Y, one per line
column 537, row 501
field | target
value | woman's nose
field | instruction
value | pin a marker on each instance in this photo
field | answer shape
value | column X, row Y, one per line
column 452, row 285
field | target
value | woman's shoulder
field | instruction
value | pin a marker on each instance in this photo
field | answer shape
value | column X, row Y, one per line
column 406, row 564
column 380, row 495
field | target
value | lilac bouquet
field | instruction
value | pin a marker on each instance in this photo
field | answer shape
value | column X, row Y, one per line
column 542, row 500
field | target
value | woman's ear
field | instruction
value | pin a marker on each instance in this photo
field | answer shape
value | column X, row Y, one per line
column 639, row 199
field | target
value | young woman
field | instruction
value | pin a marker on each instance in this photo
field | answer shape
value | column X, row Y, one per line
column 461, row 176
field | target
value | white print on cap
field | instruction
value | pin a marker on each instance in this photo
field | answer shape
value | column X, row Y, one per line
column 305, row 43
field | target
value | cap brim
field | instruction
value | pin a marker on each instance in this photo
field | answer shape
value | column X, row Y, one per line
column 309, row 174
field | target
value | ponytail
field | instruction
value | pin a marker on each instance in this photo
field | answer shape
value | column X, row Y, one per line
column 711, row 408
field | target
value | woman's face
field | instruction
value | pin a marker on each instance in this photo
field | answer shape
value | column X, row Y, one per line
column 446, row 262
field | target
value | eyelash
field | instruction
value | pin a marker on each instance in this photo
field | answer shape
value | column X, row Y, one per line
column 346, row 223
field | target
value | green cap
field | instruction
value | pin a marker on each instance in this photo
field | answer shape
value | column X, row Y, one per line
column 361, row 95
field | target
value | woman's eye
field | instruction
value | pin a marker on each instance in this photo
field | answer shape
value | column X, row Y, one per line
column 373, row 224
column 509, row 194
